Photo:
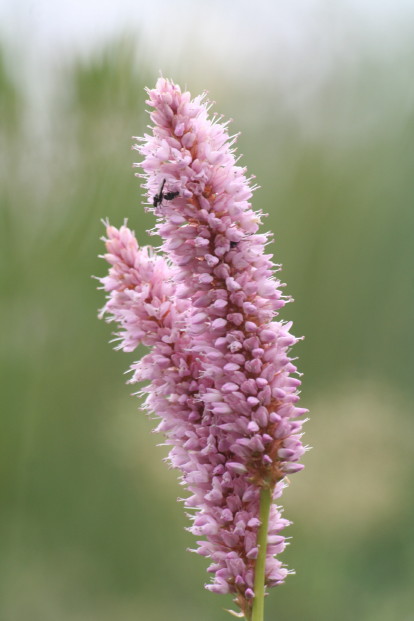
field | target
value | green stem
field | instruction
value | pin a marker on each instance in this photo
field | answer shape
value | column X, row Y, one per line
column 259, row 576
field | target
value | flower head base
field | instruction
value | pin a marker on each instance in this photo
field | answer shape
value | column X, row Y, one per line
column 221, row 379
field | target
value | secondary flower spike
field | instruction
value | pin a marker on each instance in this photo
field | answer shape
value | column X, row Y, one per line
column 220, row 377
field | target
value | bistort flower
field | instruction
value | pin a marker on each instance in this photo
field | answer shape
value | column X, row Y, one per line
column 220, row 377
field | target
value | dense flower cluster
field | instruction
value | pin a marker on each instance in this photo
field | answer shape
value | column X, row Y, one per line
column 220, row 376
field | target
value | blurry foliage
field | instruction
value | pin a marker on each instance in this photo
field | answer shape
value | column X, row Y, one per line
column 90, row 524
column 10, row 102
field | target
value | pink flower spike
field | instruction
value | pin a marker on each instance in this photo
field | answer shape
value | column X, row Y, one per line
column 219, row 374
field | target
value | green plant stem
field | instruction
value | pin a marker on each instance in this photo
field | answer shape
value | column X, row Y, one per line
column 259, row 576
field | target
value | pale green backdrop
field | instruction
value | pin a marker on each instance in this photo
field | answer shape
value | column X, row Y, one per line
column 91, row 529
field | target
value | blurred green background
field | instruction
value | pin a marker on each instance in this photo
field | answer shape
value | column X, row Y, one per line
column 90, row 526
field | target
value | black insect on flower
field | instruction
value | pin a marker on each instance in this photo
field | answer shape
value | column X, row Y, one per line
column 160, row 196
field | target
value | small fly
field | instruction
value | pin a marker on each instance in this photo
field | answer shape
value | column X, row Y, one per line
column 168, row 196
